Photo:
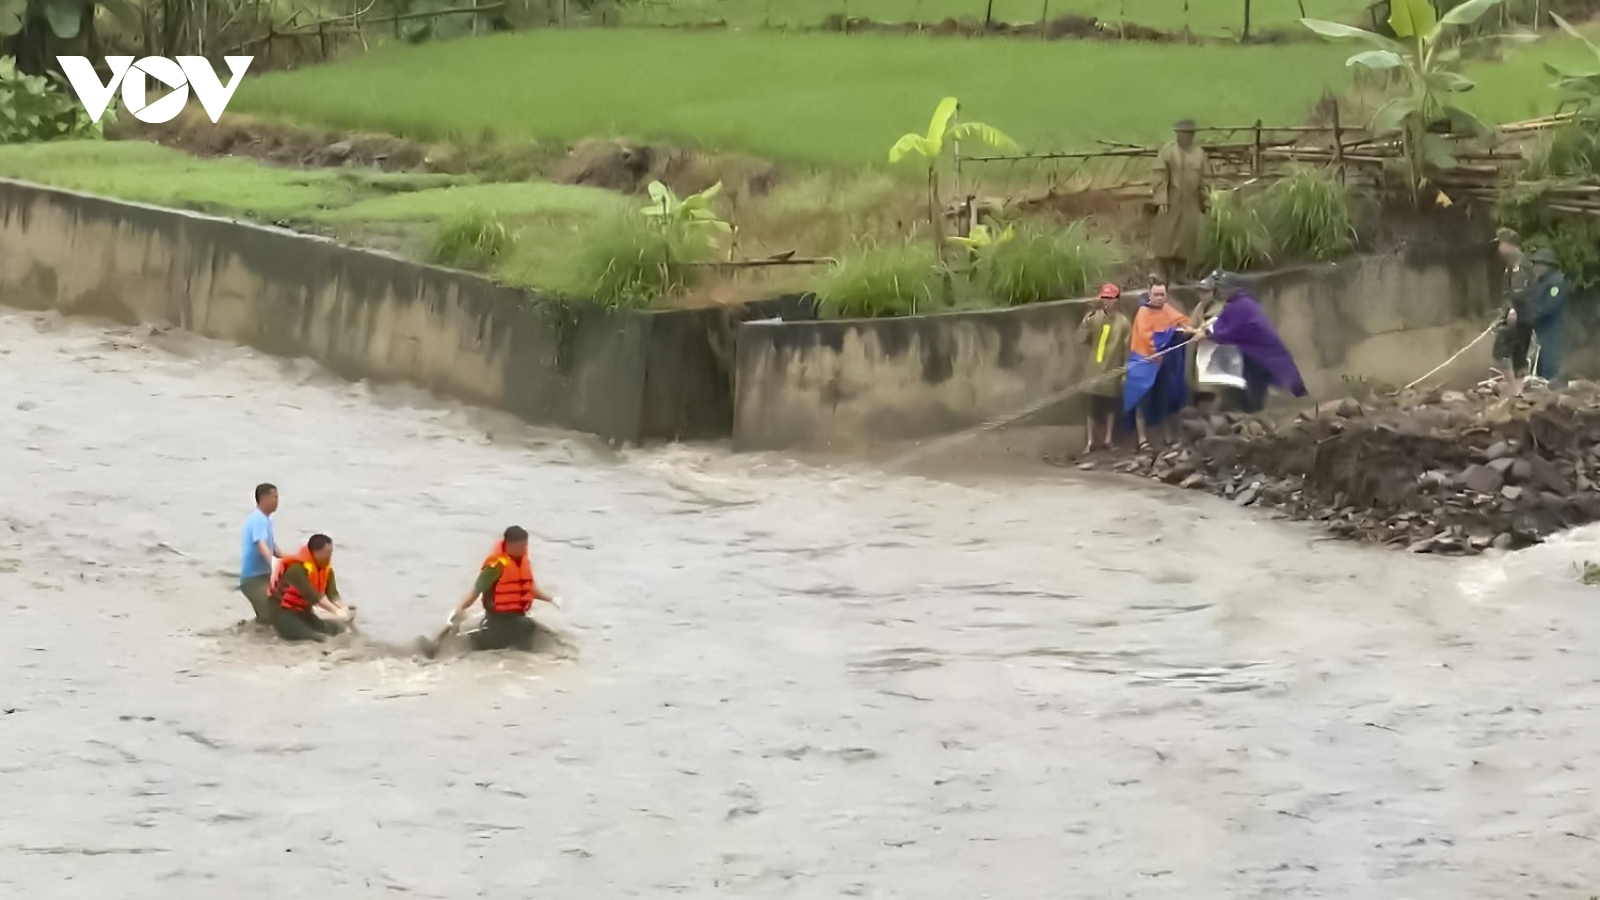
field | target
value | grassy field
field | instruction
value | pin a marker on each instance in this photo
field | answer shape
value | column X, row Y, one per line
column 392, row 210
column 1213, row 17
column 820, row 99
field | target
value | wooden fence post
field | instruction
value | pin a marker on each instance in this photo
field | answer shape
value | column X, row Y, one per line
column 1255, row 153
column 1338, row 142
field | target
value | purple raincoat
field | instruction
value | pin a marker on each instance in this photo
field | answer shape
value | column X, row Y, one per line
column 1243, row 324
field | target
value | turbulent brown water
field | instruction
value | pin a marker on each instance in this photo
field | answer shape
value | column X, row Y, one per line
column 792, row 681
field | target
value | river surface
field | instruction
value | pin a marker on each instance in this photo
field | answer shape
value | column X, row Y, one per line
column 791, row 681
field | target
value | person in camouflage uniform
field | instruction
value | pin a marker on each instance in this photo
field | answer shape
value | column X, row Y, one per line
column 1513, row 335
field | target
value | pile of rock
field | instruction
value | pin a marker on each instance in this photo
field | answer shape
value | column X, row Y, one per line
column 1444, row 472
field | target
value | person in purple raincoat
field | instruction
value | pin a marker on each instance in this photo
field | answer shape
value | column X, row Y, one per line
column 1244, row 325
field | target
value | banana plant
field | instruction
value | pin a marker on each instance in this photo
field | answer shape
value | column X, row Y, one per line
column 944, row 130
column 1583, row 87
column 1429, row 82
column 693, row 211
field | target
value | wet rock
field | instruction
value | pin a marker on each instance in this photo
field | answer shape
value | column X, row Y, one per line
column 1481, row 479
column 1249, row 494
column 1501, row 541
column 1497, row 450
column 1193, row 481
column 1545, row 474
column 1521, row 471
column 1501, row 466
column 1511, row 492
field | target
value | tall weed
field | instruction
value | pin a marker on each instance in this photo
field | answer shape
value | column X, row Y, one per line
column 1045, row 263
column 1309, row 212
column 629, row 262
column 884, row 280
column 471, row 239
column 1234, row 236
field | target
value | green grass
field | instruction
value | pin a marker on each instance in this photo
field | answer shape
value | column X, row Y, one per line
column 831, row 100
column 1199, row 16
column 386, row 209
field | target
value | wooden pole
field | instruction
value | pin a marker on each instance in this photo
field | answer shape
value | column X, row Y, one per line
column 1245, row 36
column 1338, row 141
column 1255, row 155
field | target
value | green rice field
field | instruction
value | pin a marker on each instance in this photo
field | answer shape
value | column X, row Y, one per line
column 807, row 98
column 830, row 100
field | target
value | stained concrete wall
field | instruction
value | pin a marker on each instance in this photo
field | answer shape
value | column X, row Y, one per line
column 849, row 384
column 626, row 376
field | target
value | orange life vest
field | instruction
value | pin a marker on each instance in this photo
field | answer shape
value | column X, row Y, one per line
column 292, row 600
column 513, row 593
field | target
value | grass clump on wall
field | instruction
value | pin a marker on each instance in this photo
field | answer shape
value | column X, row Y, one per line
column 629, row 262
column 883, row 280
column 1309, row 213
column 471, row 239
column 1041, row 263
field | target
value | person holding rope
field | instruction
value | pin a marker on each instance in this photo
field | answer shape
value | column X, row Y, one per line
column 1153, row 387
column 1513, row 333
column 1104, row 333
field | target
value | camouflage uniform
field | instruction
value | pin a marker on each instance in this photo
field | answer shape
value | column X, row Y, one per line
column 1512, row 341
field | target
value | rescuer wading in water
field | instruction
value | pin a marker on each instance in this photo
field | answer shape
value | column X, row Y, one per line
column 506, row 585
column 305, row 581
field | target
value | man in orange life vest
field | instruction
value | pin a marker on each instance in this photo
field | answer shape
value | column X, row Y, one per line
column 508, row 590
column 304, row 581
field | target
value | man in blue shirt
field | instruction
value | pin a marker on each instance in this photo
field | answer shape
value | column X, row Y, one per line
column 257, row 549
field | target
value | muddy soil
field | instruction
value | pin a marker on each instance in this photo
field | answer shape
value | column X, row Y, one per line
column 624, row 166
column 1444, row 472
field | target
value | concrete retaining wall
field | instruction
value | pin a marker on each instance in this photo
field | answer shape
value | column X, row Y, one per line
column 626, row 376
column 849, row 384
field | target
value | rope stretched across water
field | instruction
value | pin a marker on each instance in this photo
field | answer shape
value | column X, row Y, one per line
column 918, row 453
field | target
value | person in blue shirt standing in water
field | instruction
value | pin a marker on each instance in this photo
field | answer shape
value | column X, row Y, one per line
column 257, row 549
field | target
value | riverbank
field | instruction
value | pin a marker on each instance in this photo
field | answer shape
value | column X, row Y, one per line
column 1451, row 472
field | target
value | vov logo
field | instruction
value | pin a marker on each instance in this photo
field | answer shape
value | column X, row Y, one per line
column 179, row 77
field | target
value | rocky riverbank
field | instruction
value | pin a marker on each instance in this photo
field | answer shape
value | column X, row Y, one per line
column 1443, row 472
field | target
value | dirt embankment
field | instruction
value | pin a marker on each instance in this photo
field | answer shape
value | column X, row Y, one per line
column 616, row 165
column 1445, row 472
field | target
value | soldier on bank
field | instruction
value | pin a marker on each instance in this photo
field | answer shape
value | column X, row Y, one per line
column 1547, row 307
column 1513, row 335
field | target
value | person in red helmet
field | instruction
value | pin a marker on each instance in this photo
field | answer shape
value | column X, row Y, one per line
column 508, row 590
column 1104, row 335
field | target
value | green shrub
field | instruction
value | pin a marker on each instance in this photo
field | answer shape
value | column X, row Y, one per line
column 632, row 262
column 1570, row 150
column 1038, row 264
column 472, row 239
column 1574, row 238
column 34, row 108
column 1310, row 216
column 888, row 280
column 1234, row 237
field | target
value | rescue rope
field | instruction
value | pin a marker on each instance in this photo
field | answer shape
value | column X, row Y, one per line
column 1440, row 367
column 1002, row 421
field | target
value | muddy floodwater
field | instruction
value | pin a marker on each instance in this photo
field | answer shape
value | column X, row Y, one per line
column 791, row 681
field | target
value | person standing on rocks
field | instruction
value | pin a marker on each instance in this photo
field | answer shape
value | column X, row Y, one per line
column 1548, row 302
column 1104, row 334
column 1207, row 306
column 1244, row 325
column 1179, row 194
column 1513, row 336
column 1153, row 388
